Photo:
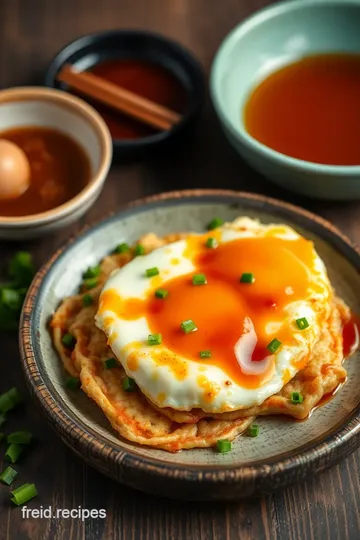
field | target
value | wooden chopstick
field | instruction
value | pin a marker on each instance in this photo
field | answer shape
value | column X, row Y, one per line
column 119, row 98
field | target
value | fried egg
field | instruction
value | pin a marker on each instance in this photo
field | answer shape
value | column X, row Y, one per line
column 217, row 321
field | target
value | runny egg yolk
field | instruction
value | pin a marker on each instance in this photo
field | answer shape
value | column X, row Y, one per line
column 282, row 270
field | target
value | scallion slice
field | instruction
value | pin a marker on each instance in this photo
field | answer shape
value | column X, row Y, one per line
column 205, row 354
column 253, row 430
column 223, row 446
column 110, row 363
column 154, row 339
column 188, row 326
column 8, row 476
column 19, row 437
column 274, row 345
column 91, row 283
column 139, row 250
column 87, row 300
column 302, row 323
column 214, row 223
column 211, row 243
column 247, row 277
column 199, row 279
column 68, row 340
column 151, row 272
column 122, row 248
column 13, row 452
column 9, row 400
column 161, row 293
column 92, row 271
column 296, row 398
column 23, row 494
column 129, row 385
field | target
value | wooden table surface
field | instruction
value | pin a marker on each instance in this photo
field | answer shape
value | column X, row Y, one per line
column 326, row 507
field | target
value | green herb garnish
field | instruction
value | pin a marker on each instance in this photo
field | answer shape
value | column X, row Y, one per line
column 161, row 293
column 87, row 300
column 296, row 398
column 23, row 494
column 154, row 339
column 151, row 272
column 223, row 446
column 253, row 430
column 8, row 476
column 199, row 279
column 274, row 345
column 302, row 323
column 188, row 326
column 205, row 354
column 110, row 363
column 214, row 223
column 247, row 277
column 122, row 248
column 211, row 243
column 129, row 385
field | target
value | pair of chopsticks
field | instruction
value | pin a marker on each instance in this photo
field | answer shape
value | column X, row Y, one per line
column 119, row 98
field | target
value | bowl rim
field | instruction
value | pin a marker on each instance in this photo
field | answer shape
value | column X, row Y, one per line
column 188, row 60
column 88, row 113
column 131, row 468
column 238, row 130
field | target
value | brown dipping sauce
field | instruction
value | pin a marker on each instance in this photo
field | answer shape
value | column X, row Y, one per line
column 310, row 110
column 60, row 169
column 146, row 79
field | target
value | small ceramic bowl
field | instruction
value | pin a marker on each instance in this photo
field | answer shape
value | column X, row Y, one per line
column 32, row 106
column 87, row 51
column 271, row 38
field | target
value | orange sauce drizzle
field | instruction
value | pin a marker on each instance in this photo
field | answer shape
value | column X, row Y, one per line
column 282, row 270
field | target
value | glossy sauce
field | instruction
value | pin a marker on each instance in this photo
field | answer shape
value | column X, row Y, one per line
column 59, row 167
column 145, row 79
column 310, row 110
column 219, row 308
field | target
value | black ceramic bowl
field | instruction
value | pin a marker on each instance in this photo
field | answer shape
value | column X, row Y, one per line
column 89, row 50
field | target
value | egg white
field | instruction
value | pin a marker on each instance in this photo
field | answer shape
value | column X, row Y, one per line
column 159, row 382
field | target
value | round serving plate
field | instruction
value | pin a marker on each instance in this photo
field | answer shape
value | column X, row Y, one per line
column 285, row 451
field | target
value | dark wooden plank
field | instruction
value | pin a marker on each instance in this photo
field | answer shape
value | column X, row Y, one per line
column 325, row 507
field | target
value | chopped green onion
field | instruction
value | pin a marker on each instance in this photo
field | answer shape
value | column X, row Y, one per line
column 214, row 223
column 73, row 383
column 19, row 437
column 223, row 446
column 110, row 363
column 91, row 282
column 2, row 419
column 205, row 354
column 9, row 400
column 122, row 248
column 68, row 341
column 154, row 339
column 161, row 293
column 13, row 452
column 151, row 272
column 188, row 326
column 87, row 300
column 11, row 298
column 211, row 243
column 253, row 430
column 247, row 277
column 296, row 398
column 8, row 476
column 139, row 250
column 274, row 345
column 199, row 279
column 23, row 494
column 21, row 269
column 302, row 323
column 129, row 385
column 92, row 271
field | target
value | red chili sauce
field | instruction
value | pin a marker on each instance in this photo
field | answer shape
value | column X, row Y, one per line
column 146, row 79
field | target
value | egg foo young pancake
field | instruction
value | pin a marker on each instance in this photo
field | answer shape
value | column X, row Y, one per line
column 138, row 417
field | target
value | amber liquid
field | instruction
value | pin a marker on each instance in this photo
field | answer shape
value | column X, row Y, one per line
column 310, row 110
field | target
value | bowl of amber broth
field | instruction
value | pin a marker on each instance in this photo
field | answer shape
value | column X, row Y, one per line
column 55, row 153
column 285, row 84
column 147, row 64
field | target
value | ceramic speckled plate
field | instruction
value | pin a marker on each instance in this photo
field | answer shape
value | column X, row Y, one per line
column 284, row 452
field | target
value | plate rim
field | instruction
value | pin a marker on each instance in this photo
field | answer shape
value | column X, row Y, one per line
column 135, row 470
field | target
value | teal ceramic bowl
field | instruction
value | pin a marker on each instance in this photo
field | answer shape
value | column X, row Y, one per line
column 271, row 38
